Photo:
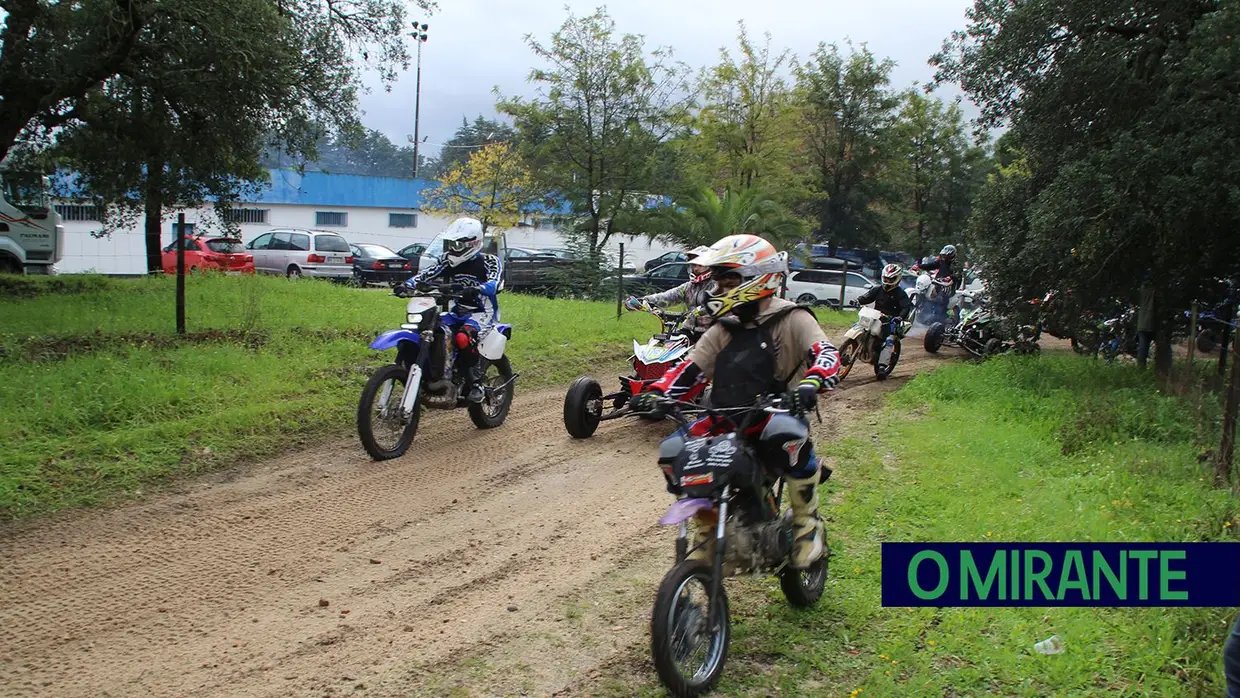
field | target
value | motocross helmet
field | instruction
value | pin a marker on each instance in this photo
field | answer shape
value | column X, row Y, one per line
column 892, row 273
column 744, row 270
column 698, row 273
column 948, row 252
column 462, row 241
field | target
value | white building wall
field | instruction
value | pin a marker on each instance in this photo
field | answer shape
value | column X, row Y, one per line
column 123, row 251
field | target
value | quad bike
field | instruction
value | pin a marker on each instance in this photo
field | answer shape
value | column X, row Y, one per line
column 864, row 342
column 584, row 402
column 932, row 297
column 690, row 627
column 978, row 332
column 392, row 401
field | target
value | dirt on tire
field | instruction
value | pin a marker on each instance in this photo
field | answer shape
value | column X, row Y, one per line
column 507, row 561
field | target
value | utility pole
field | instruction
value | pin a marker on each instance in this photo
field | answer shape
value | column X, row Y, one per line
column 419, row 37
column 180, row 238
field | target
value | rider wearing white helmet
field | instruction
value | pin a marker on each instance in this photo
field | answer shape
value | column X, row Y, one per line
column 463, row 262
column 888, row 298
column 692, row 293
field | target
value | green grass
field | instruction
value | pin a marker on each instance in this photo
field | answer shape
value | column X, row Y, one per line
column 1054, row 449
column 101, row 398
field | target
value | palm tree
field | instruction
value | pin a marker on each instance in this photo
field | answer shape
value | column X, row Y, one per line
column 705, row 217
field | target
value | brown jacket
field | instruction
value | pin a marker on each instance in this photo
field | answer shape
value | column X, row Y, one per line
column 796, row 337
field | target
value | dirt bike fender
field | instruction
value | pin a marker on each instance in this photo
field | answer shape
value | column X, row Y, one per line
column 683, row 509
column 391, row 338
column 854, row 332
column 492, row 346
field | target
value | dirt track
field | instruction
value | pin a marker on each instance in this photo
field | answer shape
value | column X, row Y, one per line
column 506, row 562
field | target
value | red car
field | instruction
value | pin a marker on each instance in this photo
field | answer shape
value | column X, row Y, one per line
column 203, row 253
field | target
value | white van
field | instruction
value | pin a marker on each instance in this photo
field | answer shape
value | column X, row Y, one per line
column 295, row 253
column 822, row 287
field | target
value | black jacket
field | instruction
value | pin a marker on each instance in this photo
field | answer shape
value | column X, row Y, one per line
column 944, row 267
column 894, row 303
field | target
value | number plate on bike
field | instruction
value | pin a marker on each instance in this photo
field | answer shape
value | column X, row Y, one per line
column 711, row 462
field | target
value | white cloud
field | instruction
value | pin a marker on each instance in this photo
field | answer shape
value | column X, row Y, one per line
column 476, row 45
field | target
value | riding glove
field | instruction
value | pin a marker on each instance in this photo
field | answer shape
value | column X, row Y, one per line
column 805, row 396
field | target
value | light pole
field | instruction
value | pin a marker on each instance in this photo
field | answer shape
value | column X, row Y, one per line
column 419, row 37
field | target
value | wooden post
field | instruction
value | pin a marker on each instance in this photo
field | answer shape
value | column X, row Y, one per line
column 180, row 238
column 1222, row 471
column 843, row 284
column 620, row 284
column 1228, row 311
column 1192, row 335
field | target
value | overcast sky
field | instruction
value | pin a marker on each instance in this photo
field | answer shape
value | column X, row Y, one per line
column 476, row 45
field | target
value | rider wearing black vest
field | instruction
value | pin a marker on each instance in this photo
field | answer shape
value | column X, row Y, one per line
column 760, row 345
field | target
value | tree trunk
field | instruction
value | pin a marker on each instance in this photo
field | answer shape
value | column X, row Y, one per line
column 1162, row 350
column 154, row 212
column 1231, row 405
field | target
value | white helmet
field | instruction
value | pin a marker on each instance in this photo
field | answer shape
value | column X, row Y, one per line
column 462, row 241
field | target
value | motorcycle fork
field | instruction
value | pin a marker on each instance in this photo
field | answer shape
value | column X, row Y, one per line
column 716, row 583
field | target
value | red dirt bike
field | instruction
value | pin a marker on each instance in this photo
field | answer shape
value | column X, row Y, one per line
column 584, row 402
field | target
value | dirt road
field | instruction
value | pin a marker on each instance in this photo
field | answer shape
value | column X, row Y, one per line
column 505, row 562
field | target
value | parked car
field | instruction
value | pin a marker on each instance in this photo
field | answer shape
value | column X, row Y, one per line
column 608, row 259
column 665, row 258
column 298, row 252
column 203, row 253
column 525, row 268
column 413, row 253
column 377, row 264
column 660, row 279
column 822, row 287
column 496, row 244
column 817, row 256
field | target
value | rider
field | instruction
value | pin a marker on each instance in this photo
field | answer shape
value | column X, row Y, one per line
column 888, row 298
column 693, row 293
column 759, row 344
column 464, row 263
column 943, row 264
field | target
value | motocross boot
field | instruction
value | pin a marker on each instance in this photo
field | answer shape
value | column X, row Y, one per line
column 807, row 528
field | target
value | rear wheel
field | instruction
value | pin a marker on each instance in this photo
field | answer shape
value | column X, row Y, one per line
column 1206, row 341
column 689, row 655
column 492, row 411
column 803, row 588
column 934, row 337
column 294, row 272
column 848, row 356
column 993, row 347
column 807, row 299
column 583, row 407
column 383, row 429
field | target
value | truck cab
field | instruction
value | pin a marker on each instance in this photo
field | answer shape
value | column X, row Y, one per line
column 32, row 238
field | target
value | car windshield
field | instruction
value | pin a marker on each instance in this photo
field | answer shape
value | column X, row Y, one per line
column 330, row 243
column 225, row 246
column 375, row 251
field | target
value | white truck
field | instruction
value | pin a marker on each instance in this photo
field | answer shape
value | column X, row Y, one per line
column 32, row 238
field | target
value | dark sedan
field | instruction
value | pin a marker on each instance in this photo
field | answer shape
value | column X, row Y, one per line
column 376, row 264
column 659, row 279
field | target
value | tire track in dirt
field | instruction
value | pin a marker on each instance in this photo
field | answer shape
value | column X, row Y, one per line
column 472, row 550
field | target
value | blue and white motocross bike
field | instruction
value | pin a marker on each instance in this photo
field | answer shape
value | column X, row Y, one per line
column 393, row 399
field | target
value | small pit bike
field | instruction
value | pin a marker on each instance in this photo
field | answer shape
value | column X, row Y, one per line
column 864, row 342
column 584, row 403
column 393, row 399
column 690, row 627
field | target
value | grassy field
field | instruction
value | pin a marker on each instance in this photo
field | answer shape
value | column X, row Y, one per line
column 1055, row 449
column 101, row 398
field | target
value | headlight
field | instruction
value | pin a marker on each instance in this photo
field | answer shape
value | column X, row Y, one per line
column 413, row 318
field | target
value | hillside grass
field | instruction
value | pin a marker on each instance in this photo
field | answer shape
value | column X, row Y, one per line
column 101, row 398
column 1059, row 448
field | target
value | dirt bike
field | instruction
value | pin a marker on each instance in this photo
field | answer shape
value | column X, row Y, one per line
column 392, row 401
column 690, row 627
column 584, row 402
column 864, row 342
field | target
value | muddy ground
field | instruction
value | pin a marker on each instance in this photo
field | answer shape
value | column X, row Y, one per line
column 515, row 561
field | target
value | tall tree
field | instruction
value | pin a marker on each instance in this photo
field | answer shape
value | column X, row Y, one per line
column 493, row 185
column 746, row 124
column 469, row 138
column 846, row 121
column 603, row 110
column 1124, row 115
column 704, row 217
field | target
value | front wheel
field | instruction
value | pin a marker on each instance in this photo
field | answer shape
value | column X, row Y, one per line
column 883, row 370
column 492, row 411
column 848, row 356
column 385, row 432
column 583, row 407
column 934, row 337
column 689, row 654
